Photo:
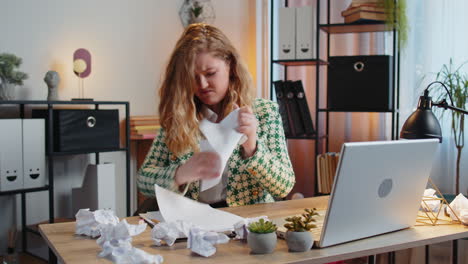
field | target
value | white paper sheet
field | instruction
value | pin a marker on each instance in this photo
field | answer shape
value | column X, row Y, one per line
column 221, row 138
column 152, row 215
column 175, row 207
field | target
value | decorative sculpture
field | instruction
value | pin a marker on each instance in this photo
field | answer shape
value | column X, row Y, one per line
column 52, row 80
column 82, row 69
column 196, row 11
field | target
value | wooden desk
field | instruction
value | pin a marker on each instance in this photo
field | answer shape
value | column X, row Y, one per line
column 71, row 248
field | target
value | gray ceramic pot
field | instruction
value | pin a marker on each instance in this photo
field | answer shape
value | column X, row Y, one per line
column 261, row 243
column 299, row 241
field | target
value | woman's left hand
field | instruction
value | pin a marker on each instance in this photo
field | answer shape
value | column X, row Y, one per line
column 248, row 126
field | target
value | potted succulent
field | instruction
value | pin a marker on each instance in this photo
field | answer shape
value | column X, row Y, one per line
column 195, row 12
column 262, row 237
column 9, row 76
column 298, row 237
column 457, row 84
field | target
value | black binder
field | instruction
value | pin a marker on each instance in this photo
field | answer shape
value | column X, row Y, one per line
column 301, row 101
column 281, row 99
column 297, row 127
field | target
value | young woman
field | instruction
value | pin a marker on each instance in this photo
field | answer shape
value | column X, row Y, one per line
column 205, row 78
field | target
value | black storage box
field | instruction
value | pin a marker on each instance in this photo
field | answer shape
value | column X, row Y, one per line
column 82, row 130
column 360, row 83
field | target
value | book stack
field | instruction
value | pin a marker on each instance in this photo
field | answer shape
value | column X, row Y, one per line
column 326, row 168
column 360, row 11
column 144, row 127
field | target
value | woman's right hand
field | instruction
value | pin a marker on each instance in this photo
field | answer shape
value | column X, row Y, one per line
column 202, row 165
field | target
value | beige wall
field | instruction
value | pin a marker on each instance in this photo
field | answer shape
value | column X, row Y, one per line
column 130, row 41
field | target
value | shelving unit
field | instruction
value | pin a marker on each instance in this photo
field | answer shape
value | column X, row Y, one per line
column 50, row 153
column 319, row 63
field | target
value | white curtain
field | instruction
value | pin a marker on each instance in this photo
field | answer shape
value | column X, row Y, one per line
column 438, row 32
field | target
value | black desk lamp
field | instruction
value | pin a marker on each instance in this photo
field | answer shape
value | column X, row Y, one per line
column 422, row 123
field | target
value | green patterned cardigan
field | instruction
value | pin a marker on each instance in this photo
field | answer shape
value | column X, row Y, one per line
column 267, row 174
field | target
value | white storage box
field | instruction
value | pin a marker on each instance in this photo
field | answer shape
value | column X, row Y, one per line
column 286, row 33
column 306, row 30
column 11, row 157
column 34, row 154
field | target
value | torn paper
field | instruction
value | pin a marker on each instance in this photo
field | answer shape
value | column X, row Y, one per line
column 221, row 138
column 175, row 207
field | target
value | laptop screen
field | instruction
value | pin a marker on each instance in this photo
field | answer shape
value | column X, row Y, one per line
column 378, row 188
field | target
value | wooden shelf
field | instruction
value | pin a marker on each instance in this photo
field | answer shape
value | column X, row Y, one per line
column 363, row 27
column 300, row 62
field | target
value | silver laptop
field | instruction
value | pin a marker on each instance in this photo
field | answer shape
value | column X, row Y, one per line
column 378, row 188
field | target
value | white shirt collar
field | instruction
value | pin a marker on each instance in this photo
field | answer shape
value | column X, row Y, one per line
column 209, row 114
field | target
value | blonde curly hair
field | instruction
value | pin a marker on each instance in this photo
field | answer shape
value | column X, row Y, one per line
column 179, row 108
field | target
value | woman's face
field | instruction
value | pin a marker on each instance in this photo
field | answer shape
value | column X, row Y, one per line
column 212, row 76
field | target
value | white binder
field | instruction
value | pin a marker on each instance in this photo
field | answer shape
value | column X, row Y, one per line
column 11, row 157
column 98, row 189
column 286, row 33
column 34, row 154
column 306, row 30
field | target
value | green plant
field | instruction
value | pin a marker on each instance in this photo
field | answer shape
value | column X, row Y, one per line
column 457, row 84
column 395, row 12
column 197, row 9
column 302, row 223
column 8, row 65
column 262, row 227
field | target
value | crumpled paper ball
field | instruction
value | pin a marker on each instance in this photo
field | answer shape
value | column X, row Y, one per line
column 202, row 242
column 122, row 231
column 241, row 227
column 87, row 222
column 116, row 244
column 430, row 205
column 460, row 206
column 115, row 236
column 170, row 231
column 122, row 252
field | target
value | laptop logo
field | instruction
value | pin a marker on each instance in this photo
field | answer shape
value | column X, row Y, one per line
column 385, row 188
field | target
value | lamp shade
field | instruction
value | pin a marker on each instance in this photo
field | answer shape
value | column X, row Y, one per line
column 422, row 123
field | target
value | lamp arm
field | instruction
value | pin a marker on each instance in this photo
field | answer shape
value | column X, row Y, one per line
column 445, row 105
column 426, row 91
